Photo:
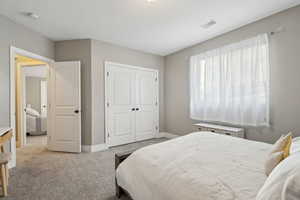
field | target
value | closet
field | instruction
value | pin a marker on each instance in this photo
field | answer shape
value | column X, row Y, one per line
column 131, row 107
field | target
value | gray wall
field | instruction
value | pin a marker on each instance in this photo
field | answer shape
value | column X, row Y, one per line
column 80, row 50
column 20, row 37
column 285, row 81
column 92, row 55
column 102, row 52
column 33, row 92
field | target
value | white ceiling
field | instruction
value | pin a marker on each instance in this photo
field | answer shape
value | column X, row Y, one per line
column 161, row 28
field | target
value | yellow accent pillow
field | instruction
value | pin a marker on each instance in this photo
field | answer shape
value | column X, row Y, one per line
column 281, row 143
column 287, row 147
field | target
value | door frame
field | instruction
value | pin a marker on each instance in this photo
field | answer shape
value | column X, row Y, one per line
column 23, row 97
column 13, row 52
column 46, row 90
column 106, row 74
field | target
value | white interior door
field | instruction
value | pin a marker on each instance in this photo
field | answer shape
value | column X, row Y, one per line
column 120, row 104
column 131, row 104
column 146, row 105
column 64, row 125
column 44, row 98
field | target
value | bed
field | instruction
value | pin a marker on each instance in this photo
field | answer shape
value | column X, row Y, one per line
column 198, row 166
column 35, row 123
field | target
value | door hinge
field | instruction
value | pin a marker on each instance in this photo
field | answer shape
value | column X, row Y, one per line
column 108, row 134
column 156, row 103
column 156, row 79
column 107, row 73
column 156, row 127
column 107, row 104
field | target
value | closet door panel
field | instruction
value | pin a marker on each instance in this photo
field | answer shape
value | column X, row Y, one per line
column 146, row 104
column 120, row 101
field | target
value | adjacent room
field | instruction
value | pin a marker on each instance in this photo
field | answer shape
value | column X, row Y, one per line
column 36, row 104
column 31, row 101
column 149, row 100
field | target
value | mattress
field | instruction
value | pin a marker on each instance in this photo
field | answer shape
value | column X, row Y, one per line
column 198, row 166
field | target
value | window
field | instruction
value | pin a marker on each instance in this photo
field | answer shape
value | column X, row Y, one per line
column 231, row 84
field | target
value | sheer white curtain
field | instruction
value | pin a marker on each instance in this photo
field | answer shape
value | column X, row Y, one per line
column 231, row 84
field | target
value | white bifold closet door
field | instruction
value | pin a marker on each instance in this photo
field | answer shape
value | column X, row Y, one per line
column 132, row 112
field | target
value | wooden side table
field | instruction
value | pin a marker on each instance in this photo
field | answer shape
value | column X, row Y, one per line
column 5, row 157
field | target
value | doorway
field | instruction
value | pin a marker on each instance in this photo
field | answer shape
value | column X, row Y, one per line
column 33, row 105
column 31, row 101
column 58, row 115
column 29, row 77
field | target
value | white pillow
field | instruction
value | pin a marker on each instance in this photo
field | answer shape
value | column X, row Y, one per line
column 295, row 147
column 284, row 181
column 273, row 160
column 32, row 112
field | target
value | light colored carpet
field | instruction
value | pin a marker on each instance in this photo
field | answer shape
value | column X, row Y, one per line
column 45, row 175
column 36, row 140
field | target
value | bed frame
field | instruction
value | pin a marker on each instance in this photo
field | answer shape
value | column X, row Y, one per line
column 119, row 158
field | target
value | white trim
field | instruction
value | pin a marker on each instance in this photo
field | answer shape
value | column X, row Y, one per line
column 13, row 52
column 105, row 101
column 94, row 148
column 166, row 135
column 106, row 70
column 23, row 107
column 104, row 147
column 23, row 52
column 152, row 69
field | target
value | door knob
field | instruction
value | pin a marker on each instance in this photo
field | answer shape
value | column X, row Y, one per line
column 133, row 109
column 137, row 109
column 76, row 111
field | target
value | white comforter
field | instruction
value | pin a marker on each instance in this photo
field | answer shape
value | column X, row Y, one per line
column 199, row 166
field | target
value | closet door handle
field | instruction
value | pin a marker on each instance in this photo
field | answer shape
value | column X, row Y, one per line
column 137, row 109
column 133, row 109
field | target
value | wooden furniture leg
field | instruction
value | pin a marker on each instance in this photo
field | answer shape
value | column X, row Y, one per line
column 4, row 180
column 6, row 173
column 4, row 159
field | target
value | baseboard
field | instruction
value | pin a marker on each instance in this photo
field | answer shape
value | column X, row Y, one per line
column 103, row 147
column 94, row 148
column 166, row 135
